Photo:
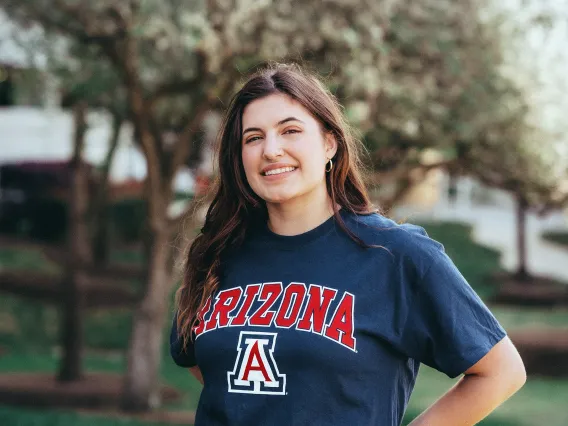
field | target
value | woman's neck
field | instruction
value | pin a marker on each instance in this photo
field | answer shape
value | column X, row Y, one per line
column 298, row 216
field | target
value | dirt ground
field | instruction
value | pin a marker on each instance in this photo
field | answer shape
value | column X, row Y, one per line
column 544, row 351
column 535, row 291
column 95, row 394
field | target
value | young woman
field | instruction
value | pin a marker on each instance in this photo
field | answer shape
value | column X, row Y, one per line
column 301, row 305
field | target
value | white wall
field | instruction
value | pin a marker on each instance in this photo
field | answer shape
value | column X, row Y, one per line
column 28, row 133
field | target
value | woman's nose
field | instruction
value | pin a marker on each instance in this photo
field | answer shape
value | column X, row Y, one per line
column 272, row 147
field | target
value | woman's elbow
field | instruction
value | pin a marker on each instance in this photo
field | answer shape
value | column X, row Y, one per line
column 504, row 366
column 518, row 376
column 514, row 371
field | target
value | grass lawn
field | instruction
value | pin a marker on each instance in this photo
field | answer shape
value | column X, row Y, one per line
column 13, row 416
column 107, row 335
column 32, row 260
column 37, row 361
column 34, row 360
column 558, row 237
column 514, row 319
column 539, row 399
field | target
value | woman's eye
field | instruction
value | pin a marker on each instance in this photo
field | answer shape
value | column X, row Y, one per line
column 291, row 131
column 254, row 138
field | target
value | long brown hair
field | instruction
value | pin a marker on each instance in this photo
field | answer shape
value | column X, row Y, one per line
column 236, row 207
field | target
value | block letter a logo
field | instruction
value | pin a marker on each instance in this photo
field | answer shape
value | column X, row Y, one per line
column 255, row 369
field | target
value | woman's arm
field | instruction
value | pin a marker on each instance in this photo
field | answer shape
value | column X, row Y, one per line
column 484, row 386
column 196, row 373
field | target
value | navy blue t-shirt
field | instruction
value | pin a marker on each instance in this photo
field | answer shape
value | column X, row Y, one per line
column 313, row 329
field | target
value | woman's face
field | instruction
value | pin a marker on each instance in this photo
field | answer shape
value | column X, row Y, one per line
column 284, row 150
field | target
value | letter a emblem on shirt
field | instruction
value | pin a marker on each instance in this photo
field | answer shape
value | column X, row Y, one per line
column 255, row 370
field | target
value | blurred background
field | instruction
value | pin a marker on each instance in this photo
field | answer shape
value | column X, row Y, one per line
column 108, row 115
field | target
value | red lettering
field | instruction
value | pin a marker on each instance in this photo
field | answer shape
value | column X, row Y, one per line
column 250, row 293
column 340, row 327
column 200, row 327
column 255, row 356
column 225, row 302
column 269, row 293
column 314, row 315
column 290, row 306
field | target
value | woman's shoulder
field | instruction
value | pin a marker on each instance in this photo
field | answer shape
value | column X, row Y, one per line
column 400, row 238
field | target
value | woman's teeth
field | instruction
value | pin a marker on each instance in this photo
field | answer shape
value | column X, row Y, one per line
column 278, row 171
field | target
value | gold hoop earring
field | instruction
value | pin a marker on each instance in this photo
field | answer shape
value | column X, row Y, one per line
column 330, row 163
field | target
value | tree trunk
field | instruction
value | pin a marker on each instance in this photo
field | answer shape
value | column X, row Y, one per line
column 522, row 269
column 100, row 207
column 78, row 244
column 452, row 187
column 141, row 384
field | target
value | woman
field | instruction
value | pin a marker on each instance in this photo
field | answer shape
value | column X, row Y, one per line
column 301, row 305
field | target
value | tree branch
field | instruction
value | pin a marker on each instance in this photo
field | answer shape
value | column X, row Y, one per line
column 185, row 142
column 178, row 85
column 126, row 61
column 405, row 169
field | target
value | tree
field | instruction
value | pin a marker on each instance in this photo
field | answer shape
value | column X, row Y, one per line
column 86, row 78
column 79, row 250
column 100, row 206
column 532, row 172
column 444, row 90
column 526, row 153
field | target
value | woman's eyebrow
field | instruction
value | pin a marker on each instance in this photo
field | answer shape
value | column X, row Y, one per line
column 289, row 119
column 286, row 120
column 252, row 129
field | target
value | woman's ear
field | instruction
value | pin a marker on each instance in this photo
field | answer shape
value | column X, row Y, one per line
column 330, row 145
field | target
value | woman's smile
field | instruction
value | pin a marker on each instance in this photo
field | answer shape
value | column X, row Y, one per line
column 277, row 174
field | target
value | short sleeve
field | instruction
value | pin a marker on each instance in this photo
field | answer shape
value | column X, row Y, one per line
column 448, row 327
column 182, row 357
